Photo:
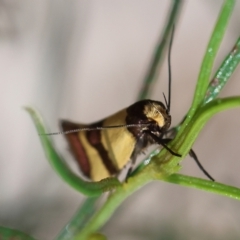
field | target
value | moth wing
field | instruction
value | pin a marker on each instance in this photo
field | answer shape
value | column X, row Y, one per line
column 75, row 145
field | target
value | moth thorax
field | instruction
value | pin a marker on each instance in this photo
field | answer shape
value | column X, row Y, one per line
column 158, row 113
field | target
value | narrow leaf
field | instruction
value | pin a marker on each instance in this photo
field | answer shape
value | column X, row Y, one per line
column 88, row 188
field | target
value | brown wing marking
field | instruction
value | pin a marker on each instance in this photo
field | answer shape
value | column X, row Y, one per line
column 76, row 147
column 94, row 139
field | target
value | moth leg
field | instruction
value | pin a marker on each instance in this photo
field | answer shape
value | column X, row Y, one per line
column 130, row 169
column 163, row 142
column 140, row 144
column 195, row 158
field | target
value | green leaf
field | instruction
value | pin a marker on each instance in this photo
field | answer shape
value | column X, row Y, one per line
column 12, row 234
column 224, row 73
column 91, row 189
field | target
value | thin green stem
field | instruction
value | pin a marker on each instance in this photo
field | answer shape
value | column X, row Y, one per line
column 221, row 77
column 106, row 211
column 153, row 71
column 183, row 142
column 224, row 73
column 79, row 220
column 209, row 57
column 141, row 179
column 11, row 234
column 162, row 166
column 206, row 185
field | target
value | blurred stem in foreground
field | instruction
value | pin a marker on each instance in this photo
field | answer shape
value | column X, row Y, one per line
column 155, row 65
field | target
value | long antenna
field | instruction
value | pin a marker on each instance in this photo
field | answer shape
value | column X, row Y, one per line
column 169, row 70
column 95, row 128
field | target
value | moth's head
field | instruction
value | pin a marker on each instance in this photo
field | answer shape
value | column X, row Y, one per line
column 157, row 114
column 153, row 113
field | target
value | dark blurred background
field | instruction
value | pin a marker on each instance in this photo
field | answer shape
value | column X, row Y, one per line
column 84, row 60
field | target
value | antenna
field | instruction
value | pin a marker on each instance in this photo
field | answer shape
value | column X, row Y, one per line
column 169, row 70
column 95, row 128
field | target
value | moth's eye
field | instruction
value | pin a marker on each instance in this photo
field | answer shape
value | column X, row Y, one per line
column 155, row 113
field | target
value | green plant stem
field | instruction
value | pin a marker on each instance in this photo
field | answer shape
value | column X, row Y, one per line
column 183, row 142
column 206, row 185
column 221, row 77
column 101, row 217
column 153, row 71
column 142, row 178
column 12, row 234
column 223, row 74
column 162, row 165
column 209, row 57
column 79, row 220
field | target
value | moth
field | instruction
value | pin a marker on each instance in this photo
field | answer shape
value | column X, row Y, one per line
column 103, row 152
column 102, row 149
